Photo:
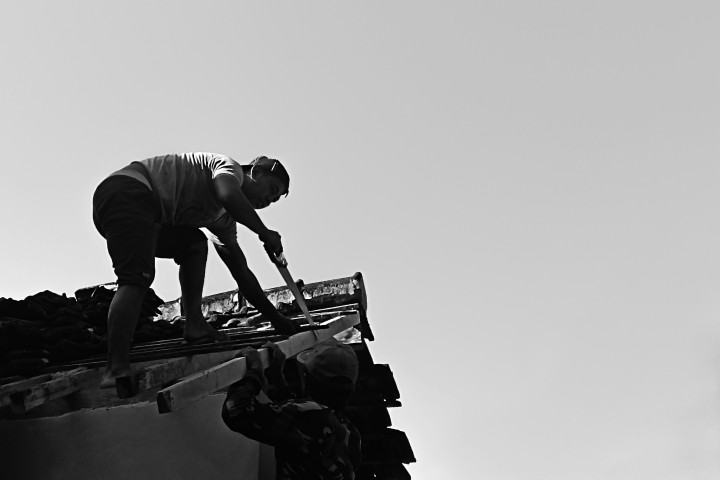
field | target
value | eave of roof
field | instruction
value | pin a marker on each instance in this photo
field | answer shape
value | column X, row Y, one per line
column 77, row 377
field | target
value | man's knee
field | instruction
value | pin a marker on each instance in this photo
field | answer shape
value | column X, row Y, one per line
column 195, row 251
column 182, row 244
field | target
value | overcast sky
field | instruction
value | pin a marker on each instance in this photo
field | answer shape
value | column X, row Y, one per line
column 529, row 188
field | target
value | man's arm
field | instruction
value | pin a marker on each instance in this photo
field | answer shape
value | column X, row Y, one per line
column 265, row 422
column 278, row 390
column 231, row 197
column 234, row 259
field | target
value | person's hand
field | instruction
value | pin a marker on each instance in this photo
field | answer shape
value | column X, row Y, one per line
column 274, row 372
column 252, row 359
column 253, row 363
column 284, row 325
column 277, row 357
column 272, row 243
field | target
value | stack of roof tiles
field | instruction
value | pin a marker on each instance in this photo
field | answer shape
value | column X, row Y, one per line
column 47, row 328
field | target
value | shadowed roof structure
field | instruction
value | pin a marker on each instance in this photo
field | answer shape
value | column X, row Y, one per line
column 56, row 355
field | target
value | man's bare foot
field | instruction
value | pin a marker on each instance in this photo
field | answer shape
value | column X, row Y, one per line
column 108, row 379
column 200, row 330
column 281, row 323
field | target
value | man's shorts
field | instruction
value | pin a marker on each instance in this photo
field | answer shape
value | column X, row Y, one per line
column 126, row 214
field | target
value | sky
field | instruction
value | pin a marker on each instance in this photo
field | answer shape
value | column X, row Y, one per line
column 529, row 189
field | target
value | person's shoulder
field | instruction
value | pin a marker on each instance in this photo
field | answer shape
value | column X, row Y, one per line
column 303, row 405
column 212, row 157
column 313, row 410
column 215, row 163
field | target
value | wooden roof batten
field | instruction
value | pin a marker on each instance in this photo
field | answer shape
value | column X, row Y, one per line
column 201, row 384
column 172, row 382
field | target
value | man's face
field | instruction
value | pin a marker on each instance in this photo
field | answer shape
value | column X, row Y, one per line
column 262, row 189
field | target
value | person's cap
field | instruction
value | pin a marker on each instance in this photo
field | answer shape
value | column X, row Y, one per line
column 273, row 167
column 330, row 359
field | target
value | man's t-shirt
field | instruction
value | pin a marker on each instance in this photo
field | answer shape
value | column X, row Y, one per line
column 184, row 185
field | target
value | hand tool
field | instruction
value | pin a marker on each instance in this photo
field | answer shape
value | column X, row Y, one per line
column 282, row 268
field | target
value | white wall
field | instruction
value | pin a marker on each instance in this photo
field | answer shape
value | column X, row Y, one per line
column 133, row 442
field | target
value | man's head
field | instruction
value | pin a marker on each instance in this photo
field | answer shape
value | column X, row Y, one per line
column 266, row 180
column 331, row 372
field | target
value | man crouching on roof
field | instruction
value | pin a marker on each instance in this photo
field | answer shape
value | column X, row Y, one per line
column 155, row 208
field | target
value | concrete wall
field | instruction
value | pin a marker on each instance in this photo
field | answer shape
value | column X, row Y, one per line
column 133, row 442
